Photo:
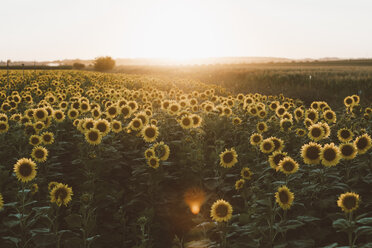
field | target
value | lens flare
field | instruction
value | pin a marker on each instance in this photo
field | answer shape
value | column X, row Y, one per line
column 194, row 198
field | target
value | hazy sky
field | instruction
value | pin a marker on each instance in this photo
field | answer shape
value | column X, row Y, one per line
column 50, row 29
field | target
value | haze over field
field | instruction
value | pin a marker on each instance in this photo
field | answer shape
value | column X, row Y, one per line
column 51, row 30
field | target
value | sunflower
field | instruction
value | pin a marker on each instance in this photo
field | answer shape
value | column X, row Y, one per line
column 103, row 126
column 348, row 101
column 47, row 138
column 162, row 150
column 267, row 146
column 61, row 194
column 39, row 126
column 299, row 114
column 239, row 184
column 39, row 154
column 40, row 114
column 312, row 114
column 186, row 122
column 221, row 210
column 363, row 143
column 348, row 151
column 280, row 110
column 93, row 136
column 256, row 139
column 330, row 155
column 4, row 127
column 348, row 202
column 136, row 124
column 300, row 132
column 284, row 197
column 153, row 162
column 278, row 143
column 150, row 133
column 288, row 166
column 316, row 132
column 329, row 116
column 326, row 129
column 1, row 201
column 149, row 153
column 311, row 153
column 25, row 169
column 308, row 122
column 246, row 173
column 261, row 127
column 275, row 158
column 59, row 115
column 73, row 114
column 228, row 158
column 236, row 121
column 116, row 126
column 344, row 135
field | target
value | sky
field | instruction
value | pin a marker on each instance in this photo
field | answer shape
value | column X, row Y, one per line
column 183, row 29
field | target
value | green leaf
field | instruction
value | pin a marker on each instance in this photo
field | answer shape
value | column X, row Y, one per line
column 364, row 230
column 290, row 224
column 44, row 239
column 333, row 245
column 365, row 221
column 341, row 224
column 307, row 218
column 12, row 239
column 302, row 243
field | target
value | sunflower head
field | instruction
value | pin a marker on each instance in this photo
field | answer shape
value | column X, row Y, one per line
column 162, row 150
column 348, row 151
column 39, row 154
column 153, row 162
column 246, row 173
column 288, row 166
column 93, row 136
column 311, row 153
column 228, row 158
column 344, row 135
column 330, row 155
column 275, row 158
column 284, row 197
column 186, row 122
column 363, row 143
column 150, row 133
column 221, row 210
column 25, row 170
column 239, row 184
column 47, row 138
column 61, row 194
column 256, row 139
column 267, row 146
column 316, row 132
column 348, row 202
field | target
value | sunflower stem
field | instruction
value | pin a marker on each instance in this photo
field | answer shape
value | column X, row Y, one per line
column 350, row 232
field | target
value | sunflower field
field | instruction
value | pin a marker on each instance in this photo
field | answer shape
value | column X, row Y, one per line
column 93, row 159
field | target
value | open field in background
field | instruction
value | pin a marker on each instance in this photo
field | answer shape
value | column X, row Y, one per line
column 155, row 158
column 328, row 81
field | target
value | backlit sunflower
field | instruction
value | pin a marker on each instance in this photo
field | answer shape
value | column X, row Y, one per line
column 136, row 124
column 40, row 114
column 25, row 170
column 47, row 138
column 284, row 197
column 256, row 139
column 363, row 143
column 39, row 154
column 348, row 101
column 58, row 115
column 93, row 136
column 221, row 210
column 61, row 194
column 311, row 153
column 239, row 184
column 228, row 158
column 275, row 158
column 186, row 122
column 116, row 126
column 103, row 126
column 73, row 114
column 330, row 155
column 150, row 133
column 348, row 202
column 288, row 166
column 196, row 120
column 153, row 162
column 348, row 151
column 267, row 146
column 329, row 116
column 246, row 173
column 316, row 132
column 312, row 114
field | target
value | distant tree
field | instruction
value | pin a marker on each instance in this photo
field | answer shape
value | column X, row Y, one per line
column 104, row 63
column 78, row 66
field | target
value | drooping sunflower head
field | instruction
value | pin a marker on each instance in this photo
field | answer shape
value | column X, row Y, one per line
column 39, row 154
column 228, row 158
column 363, row 143
column 25, row 169
column 330, row 155
column 267, row 146
column 256, row 139
column 348, row 151
column 348, row 202
column 221, row 210
column 61, row 194
column 288, row 166
column 284, row 197
column 275, row 158
column 311, row 153
column 93, row 136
